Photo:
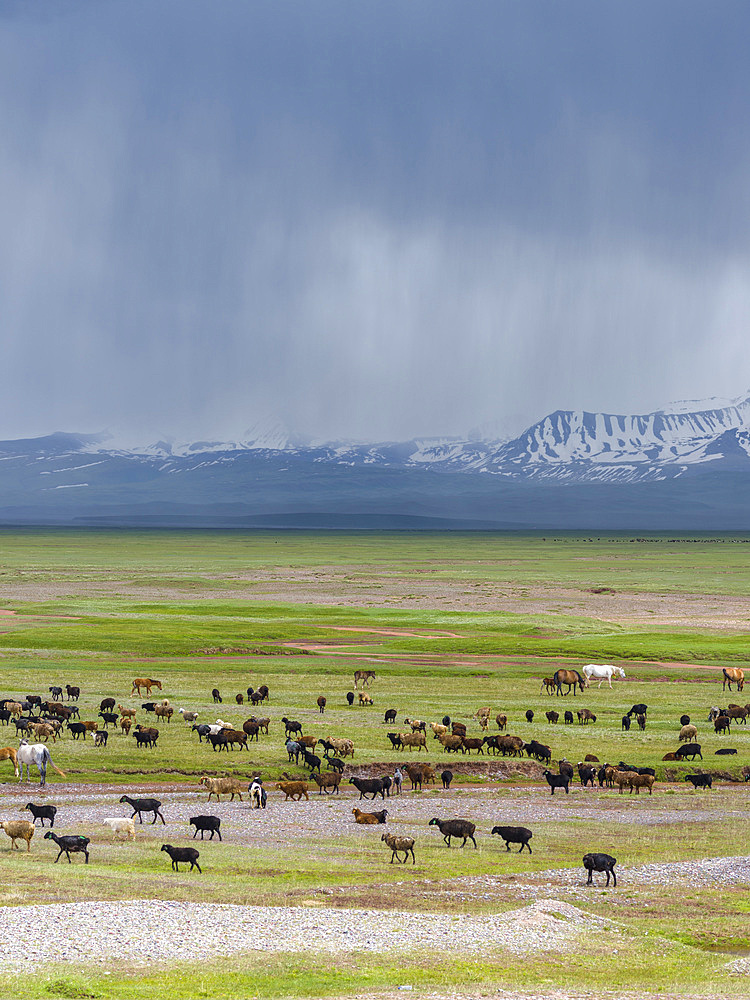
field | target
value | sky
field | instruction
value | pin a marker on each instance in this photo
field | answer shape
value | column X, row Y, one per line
column 370, row 220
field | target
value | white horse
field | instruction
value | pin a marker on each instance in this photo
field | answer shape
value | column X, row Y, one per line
column 601, row 672
column 38, row 755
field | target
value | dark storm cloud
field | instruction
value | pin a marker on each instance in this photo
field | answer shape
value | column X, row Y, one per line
column 369, row 219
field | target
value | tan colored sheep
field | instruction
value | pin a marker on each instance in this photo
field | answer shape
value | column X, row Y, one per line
column 292, row 789
column 18, row 829
column 222, row 786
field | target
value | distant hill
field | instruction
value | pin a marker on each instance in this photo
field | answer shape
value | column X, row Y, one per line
column 686, row 467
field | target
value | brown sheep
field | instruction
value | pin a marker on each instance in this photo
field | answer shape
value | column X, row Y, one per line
column 326, row 782
column 127, row 713
column 400, row 845
column 417, row 740
column 125, row 724
column 688, row 734
column 18, row 829
column 365, row 699
column 368, row 819
column 621, row 779
column 451, row 743
column 292, row 789
column 638, row 781
column 502, row 721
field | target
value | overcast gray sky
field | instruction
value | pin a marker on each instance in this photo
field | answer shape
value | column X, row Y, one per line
column 369, row 219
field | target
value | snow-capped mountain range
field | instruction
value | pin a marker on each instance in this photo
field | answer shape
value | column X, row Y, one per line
column 268, row 469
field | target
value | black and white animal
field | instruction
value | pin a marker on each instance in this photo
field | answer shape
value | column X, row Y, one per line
column 69, row 844
column 599, row 863
column 514, row 835
column 258, row 794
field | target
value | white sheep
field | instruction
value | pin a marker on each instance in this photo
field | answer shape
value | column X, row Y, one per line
column 118, row 825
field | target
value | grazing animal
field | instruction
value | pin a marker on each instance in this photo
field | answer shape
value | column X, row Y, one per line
column 143, row 682
column 548, row 685
column 56, row 692
column 145, row 737
column 140, row 806
column 446, row 777
column 38, row 755
column 216, row 696
column 626, row 723
column 120, row 824
column 18, row 829
column 684, row 720
column 514, row 835
column 100, row 739
column 390, row 716
column 600, row 863
column 638, row 781
column 258, row 794
column 733, row 675
column 571, row 679
column 501, row 719
column 400, row 845
column 291, row 726
column 69, row 844
column 699, row 780
column 601, row 672
column 187, row 854
column 639, row 709
column 240, row 698
column 365, row 676
column 553, row 717
column 641, row 720
column 327, row 782
column 585, row 716
column 10, row 753
column 529, row 715
column 205, row 823
column 368, row 786
column 365, row 699
column 321, row 703
column 691, row 750
column 455, row 828
column 568, row 718
column 722, row 723
column 73, row 692
column 557, row 781
column 350, row 698
column 726, row 751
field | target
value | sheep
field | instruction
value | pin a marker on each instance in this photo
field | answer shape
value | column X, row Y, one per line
column 73, row 692
column 417, row 725
column 365, row 699
column 129, row 712
column 438, row 730
column 585, row 716
column 187, row 716
column 395, row 740
column 553, row 717
column 458, row 729
column 350, row 698
column 125, row 724
column 469, row 743
column 638, row 781
column 327, row 781
column 187, row 854
column 688, row 734
column 369, row 819
column 641, row 720
column 639, row 709
column 410, row 740
column 557, row 781
column 621, row 779
column 568, row 718
column 164, row 712
column 451, row 743
column 725, row 750
column 365, row 786
column 140, row 806
column 699, row 780
column 586, row 773
column 722, row 723
column 446, row 777
column 400, row 845
column 390, row 716
column 322, row 703
column 18, row 829
column 600, row 863
column 502, row 721
column 216, row 696
column 120, row 824
column 311, row 760
column 691, row 750
column 222, row 786
column 529, row 715
column 684, row 720
column 70, row 843
column 106, row 705
column 292, row 789
column 100, row 739
column 257, row 793
column 240, row 698
column 291, row 726
column 455, row 828
column 203, row 823
column 42, row 813
column 145, row 736
column 514, row 835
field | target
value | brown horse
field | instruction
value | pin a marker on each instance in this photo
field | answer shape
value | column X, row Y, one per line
column 548, row 685
column 145, row 682
column 733, row 674
column 366, row 676
column 9, row 753
column 569, row 677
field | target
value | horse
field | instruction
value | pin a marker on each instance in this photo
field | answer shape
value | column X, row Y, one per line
column 144, row 682
column 366, row 676
column 548, row 685
column 601, row 672
column 735, row 674
column 38, row 755
column 570, row 677
column 9, row 753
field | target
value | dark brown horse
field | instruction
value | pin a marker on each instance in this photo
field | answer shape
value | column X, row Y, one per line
column 569, row 677
column 733, row 674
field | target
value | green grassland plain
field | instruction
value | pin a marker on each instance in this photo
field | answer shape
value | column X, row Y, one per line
column 449, row 623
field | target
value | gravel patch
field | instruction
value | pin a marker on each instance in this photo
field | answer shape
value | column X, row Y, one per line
column 147, row 931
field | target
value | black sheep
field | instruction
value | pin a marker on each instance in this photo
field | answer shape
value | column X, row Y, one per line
column 455, row 828
column 71, row 843
column 557, row 781
column 204, row 823
column 600, row 863
column 368, row 786
column 691, row 750
column 390, row 715
column 514, row 835
column 187, row 854
column 42, row 813
column 140, row 806
column 699, row 780
column 568, row 718
column 446, row 777
column 216, row 696
column 350, row 698
column 529, row 715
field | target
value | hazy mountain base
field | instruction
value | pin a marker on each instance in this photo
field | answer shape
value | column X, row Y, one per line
column 275, row 492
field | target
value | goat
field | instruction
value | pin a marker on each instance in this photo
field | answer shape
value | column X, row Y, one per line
column 187, row 854
column 400, row 845
column 204, row 823
column 600, row 863
column 120, row 824
column 42, row 813
column 72, row 843
column 455, row 828
column 140, row 806
column 514, row 835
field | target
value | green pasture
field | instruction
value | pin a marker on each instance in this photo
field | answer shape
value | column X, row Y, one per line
column 450, row 662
